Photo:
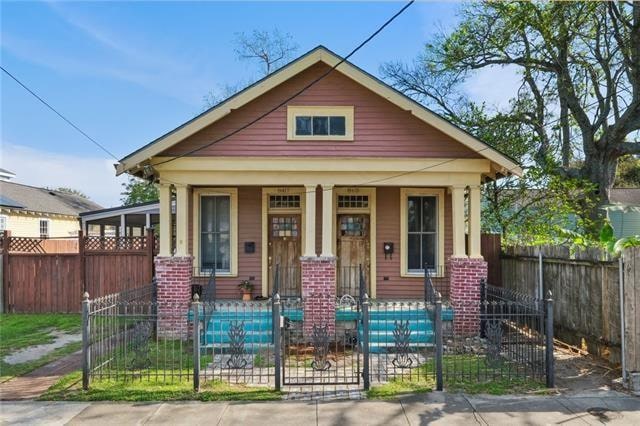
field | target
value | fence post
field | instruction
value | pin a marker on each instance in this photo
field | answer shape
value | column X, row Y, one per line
column 195, row 308
column 276, row 340
column 150, row 246
column 365, row 342
column 362, row 291
column 483, row 307
column 439, row 340
column 86, row 348
column 549, row 360
column 5, row 294
column 426, row 283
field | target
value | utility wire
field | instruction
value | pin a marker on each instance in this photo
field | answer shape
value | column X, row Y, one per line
column 296, row 94
column 69, row 122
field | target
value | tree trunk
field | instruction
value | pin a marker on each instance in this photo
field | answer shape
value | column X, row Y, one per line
column 600, row 168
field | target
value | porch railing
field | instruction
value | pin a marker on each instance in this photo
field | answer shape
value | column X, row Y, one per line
column 203, row 283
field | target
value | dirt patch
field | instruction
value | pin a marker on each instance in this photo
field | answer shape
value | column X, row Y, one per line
column 578, row 372
column 36, row 352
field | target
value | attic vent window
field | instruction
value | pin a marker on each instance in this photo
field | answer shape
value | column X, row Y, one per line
column 320, row 123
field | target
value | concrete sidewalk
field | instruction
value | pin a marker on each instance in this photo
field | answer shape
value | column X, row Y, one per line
column 434, row 408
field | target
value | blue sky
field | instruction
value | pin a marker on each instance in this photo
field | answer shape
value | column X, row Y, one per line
column 127, row 72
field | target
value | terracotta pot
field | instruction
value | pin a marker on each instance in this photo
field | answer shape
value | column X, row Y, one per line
column 246, row 296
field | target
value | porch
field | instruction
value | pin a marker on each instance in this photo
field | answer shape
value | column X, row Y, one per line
column 380, row 240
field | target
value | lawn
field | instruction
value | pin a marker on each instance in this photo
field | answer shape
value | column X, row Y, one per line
column 69, row 389
column 18, row 331
column 462, row 373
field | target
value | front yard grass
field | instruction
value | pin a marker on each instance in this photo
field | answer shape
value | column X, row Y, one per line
column 19, row 331
column 472, row 375
column 69, row 388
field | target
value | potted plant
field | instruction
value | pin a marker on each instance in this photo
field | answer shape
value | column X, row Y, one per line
column 246, row 287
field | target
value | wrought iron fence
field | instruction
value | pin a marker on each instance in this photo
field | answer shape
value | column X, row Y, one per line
column 321, row 353
column 128, row 336
column 351, row 280
column 235, row 341
column 203, row 283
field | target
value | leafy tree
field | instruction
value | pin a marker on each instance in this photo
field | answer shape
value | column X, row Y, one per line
column 628, row 174
column 72, row 191
column 579, row 66
column 138, row 191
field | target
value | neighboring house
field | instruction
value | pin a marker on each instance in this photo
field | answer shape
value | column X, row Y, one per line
column 350, row 172
column 624, row 211
column 28, row 211
column 6, row 175
column 129, row 221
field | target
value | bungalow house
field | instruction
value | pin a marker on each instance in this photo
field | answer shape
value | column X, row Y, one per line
column 29, row 211
column 314, row 172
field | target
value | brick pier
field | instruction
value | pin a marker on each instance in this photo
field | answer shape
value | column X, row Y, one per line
column 173, row 276
column 465, row 275
column 319, row 293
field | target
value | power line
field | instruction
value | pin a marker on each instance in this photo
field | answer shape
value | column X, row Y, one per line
column 296, row 94
column 69, row 122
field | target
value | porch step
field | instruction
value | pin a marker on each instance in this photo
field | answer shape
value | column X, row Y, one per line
column 388, row 326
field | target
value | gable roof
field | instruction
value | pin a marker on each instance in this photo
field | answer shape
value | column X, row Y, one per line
column 42, row 200
column 134, row 161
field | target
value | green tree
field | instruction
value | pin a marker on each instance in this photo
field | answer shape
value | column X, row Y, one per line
column 579, row 66
column 628, row 174
column 138, row 191
column 72, row 191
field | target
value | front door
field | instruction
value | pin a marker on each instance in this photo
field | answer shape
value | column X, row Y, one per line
column 284, row 254
column 353, row 250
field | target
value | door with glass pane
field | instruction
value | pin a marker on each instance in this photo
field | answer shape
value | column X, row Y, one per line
column 215, row 233
column 284, row 253
column 353, row 249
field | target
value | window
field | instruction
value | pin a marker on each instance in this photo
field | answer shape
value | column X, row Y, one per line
column 284, row 201
column 44, row 228
column 422, row 227
column 422, row 232
column 3, row 223
column 215, row 233
column 328, row 123
column 353, row 201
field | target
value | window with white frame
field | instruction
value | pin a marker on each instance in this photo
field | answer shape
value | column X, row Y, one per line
column 44, row 228
column 215, row 233
column 318, row 123
column 422, row 230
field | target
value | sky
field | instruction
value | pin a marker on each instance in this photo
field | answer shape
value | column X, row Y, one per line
column 128, row 72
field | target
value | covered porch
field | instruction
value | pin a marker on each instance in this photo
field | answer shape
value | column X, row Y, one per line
column 318, row 226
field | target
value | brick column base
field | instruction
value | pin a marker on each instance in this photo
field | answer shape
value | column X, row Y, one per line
column 173, row 278
column 319, row 293
column 465, row 275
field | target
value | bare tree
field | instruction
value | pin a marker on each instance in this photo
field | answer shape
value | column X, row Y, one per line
column 270, row 48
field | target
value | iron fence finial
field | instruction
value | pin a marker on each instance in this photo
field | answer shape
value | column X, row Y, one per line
column 85, row 296
column 196, row 298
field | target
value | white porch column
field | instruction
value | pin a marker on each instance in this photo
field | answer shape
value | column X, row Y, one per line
column 474, row 222
column 164, row 192
column 457, row 207
column 182, row 220
column 123, row 225
column 310, row 221
column 327, row 220
column 147, row 221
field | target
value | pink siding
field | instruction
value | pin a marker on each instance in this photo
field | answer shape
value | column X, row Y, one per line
column 388, row 229
column 381, row 129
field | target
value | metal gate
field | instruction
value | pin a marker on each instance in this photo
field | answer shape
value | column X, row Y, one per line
column 321, row 354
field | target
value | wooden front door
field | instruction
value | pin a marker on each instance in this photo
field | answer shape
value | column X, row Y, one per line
column 353, row 250
column 284, row 253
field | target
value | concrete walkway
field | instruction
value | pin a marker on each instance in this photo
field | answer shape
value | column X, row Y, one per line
column 434, row 408
column 34, row 384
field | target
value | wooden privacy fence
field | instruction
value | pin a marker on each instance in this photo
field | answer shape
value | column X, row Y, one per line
column 586, row 291
column 37, row 281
